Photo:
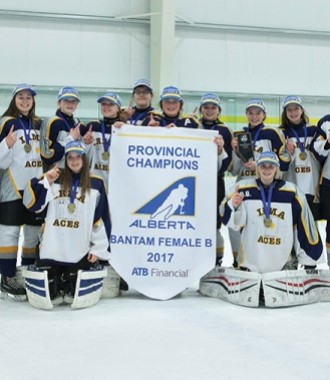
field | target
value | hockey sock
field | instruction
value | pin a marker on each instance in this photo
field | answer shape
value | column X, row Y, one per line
column 8, row 267
column 27, row 261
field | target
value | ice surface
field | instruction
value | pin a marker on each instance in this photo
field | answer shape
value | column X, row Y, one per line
column 190, row 337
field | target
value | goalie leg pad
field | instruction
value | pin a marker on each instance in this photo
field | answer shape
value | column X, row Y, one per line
column 238, row 287
column 293, row 287
column 324, row 285
column 36, row 282
column 111, row 282
column 88, row 287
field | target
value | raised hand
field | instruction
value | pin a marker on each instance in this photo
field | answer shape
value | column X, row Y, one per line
column 237, row 198
column 53, row 174
column 220, row 142
column 290, row 145
column 88, row 137
column 11, row 137
column 75, row 132
column 127, row 113
column 118, row 124
column 171, row 125
column 252, row 165
column 234, row 144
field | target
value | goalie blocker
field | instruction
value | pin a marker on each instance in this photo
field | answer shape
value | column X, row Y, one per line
column 276, row 289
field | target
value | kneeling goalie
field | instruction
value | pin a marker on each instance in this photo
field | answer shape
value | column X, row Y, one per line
column 277, row 233
column 75, row 236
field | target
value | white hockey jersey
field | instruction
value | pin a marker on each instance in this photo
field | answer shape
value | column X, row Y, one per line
column 17, row 165
column 304, row 169
column 267, row 249
column 69, row 235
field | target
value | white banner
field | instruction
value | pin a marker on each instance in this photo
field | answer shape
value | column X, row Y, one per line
column 162, row 196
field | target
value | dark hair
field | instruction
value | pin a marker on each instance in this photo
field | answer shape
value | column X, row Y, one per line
column 13, row 111
column 285, row 122
column 66, row 177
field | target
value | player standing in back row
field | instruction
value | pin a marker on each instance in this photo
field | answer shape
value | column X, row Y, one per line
column 210, row 110
column 321, row 146
column 19, row 162
column 60, row 129
column 97, row 138
column 142, row 97
column 171, row 104
column 304, row 169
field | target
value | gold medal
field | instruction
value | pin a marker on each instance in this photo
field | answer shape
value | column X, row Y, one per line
column 105, row 156
column 268, row 222
column 303, row 156
column 27, row 148
column 71, row 208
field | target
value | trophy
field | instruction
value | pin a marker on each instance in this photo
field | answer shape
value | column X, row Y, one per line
column 245, row 146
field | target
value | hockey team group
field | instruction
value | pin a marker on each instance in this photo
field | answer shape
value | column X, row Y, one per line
column 53, row 190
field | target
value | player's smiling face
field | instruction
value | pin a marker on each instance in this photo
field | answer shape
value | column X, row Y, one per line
column 24, row 102
column 266, row 173
column 255, row 116
column 142, row 97
column 68, row 106
column 294, row 113
column 171, row 107
column 210, row 112
column 75, row 162
column 109, row 109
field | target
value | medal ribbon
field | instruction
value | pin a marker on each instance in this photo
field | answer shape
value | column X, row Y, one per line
column 74, row 190
column 140, row 117
column 256, row 135
column 266, row 203
column 68, row 126
column 26, row 134
column 105, row 142
column 165, row 121
column 300, row 144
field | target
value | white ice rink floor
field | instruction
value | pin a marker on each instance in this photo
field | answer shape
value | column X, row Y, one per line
column 190, row 337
